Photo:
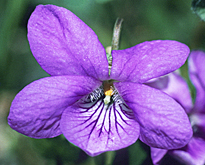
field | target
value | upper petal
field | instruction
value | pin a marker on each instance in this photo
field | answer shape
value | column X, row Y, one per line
column 163, row 122
column 197, row 76
column 96, row 127
column 36, row 110
column 176, row 87
column 64, row 45
column 148, row 60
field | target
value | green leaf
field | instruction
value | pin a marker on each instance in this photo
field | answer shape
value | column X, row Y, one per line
column 198, row 6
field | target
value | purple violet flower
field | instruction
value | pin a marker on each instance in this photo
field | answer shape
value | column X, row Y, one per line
column 96, row 111
column 194, row 152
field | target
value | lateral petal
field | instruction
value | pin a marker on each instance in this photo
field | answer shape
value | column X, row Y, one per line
column 148, row 60
column 36, row 110
column 163, row 122
column 64, row 45
column 96, row 127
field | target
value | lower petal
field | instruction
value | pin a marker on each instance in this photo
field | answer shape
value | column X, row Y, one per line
column 96, row 127
column 36, row 110
column 163, row 122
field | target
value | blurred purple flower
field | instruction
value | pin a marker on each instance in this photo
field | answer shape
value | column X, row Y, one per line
column 194, row 152
column 96, row 111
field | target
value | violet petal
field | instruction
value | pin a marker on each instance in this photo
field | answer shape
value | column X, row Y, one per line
column 198, row 124
column 148, row 60
column 176, row 87
column 163, row 122
column 64, row 45
column 193, row 153
column 157, row 154
column 36, row 110
column 96, row 127
column 197, row 76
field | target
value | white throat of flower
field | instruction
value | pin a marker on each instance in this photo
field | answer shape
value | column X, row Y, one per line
column 109, row 91
column 106, row 92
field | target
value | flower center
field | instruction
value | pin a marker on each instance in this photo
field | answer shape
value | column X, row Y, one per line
column 109, row 90
column 105, row 99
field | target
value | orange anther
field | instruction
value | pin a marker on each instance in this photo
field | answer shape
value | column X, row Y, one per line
column 109, row 92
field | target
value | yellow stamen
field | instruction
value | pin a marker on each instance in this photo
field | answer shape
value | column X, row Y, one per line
column 108, row 95
column 109, row 92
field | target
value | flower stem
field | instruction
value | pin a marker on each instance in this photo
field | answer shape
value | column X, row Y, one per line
column 116, row 34
column 115, row 41
column 110, row 155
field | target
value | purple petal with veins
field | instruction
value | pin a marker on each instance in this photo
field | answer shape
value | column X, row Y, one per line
column 96, row 127
column 97, row 119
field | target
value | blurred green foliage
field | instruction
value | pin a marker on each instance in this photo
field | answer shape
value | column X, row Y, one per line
column 198, row 7
column 143, row 20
